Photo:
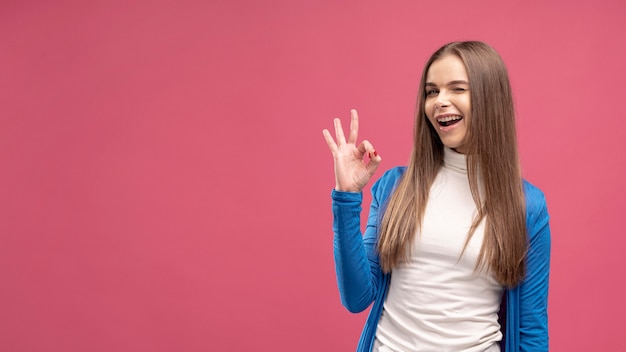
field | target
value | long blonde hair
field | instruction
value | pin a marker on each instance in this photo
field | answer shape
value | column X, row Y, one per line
column 491, row 150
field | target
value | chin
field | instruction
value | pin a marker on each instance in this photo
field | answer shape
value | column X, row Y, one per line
column 452, row 145
column 455, row 147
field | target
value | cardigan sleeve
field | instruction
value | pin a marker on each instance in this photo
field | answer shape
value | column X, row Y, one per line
column 533, row 292
column 356, row 254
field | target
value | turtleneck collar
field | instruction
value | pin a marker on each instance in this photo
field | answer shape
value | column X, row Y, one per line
column 454, row 160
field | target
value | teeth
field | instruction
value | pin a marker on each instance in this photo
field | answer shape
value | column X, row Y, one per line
column 449, row 118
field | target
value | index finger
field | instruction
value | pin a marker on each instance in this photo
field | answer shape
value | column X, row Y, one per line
column 354, row 126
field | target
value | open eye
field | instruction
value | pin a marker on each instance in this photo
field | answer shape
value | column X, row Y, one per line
column 431, row 92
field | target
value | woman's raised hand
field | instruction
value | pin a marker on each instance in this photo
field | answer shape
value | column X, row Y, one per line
column 352, row 172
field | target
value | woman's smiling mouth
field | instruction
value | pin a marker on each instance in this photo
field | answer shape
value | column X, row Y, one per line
column 448, row 120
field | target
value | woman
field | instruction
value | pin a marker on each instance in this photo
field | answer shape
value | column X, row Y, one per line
column 456, row 252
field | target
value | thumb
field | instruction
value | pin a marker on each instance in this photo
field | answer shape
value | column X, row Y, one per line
column 368, row 149
column 375, row 160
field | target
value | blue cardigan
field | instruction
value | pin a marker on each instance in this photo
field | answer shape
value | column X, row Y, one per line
column 524, row 317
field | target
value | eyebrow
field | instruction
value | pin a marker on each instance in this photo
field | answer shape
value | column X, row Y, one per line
column 451, row 83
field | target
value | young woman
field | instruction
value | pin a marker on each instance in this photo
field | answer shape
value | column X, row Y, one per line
column 456, row 252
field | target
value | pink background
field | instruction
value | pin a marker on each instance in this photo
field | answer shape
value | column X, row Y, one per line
column 165, row 184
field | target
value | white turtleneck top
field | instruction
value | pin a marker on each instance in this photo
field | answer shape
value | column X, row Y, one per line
column 438, row 301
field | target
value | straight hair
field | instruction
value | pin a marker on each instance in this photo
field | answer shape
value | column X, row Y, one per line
column 492, row 164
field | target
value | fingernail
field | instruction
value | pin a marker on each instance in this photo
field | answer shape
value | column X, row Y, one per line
column 375, row 154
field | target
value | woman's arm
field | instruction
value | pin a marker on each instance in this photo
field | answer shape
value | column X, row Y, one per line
column 352, row 173
column 356, row 256
column 533, row 292
column 352, row 266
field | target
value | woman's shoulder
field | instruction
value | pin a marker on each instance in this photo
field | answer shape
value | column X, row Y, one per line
column 394, row 173
column 536, row 206
column 388, row 180
column 391, row 176
column 534, row 196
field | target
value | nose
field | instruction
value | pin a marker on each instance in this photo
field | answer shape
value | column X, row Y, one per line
column 442, row 100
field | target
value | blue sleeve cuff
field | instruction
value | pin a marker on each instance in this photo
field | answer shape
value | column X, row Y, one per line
column 340, row 196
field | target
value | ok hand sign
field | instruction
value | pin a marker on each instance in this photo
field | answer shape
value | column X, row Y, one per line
column 352, row 172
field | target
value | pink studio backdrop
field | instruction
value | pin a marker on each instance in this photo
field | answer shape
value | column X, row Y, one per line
column 165, row 184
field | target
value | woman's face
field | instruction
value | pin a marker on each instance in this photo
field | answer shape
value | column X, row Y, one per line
column 447, row 103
